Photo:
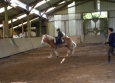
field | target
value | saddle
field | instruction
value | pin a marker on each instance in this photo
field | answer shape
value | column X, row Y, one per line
column 59, row 41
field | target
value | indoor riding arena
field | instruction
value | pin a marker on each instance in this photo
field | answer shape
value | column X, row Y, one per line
column 30, row 52
column 87, row 65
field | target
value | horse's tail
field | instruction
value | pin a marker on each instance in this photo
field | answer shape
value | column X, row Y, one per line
column 73, row 44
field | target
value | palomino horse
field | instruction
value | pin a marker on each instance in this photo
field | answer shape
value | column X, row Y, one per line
column 67, row 43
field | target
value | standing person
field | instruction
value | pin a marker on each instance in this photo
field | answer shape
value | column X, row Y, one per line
column 59, row 37
column 111, row 42
column 22, row 35
column 15, row 35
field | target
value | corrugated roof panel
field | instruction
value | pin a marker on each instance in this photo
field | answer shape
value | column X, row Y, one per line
column 107, row 5
column 27, row 1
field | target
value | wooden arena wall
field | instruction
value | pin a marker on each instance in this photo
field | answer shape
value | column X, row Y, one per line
column 12, row 46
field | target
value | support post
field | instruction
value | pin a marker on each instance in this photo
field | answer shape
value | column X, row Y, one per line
column 22, row 27
column 28, row 26
column 47, row 29
column 6, row 26
column 40, row 27
column 65, row 26
column 12, row 28
column 3, row 28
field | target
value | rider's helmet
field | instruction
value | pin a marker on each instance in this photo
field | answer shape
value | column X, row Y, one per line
column 58, row 29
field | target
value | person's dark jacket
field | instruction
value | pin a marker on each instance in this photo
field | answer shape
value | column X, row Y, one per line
column 60, row 34
column 111, row 41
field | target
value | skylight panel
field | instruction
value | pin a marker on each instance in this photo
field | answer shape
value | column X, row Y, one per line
column 25, row 23
column 2, row 9
column 50, row 9
column 34, row 19
column 13, row 0
column 15, row 27
column 24, row 6
column 41, row 3
column 62, row 2
column 13, row 3
column 20, row 4
column 9, row 7
column 9, row 21
column 22, row 16
column 12, row 20
column 1, row 25
column 20, row 25
column 72, row 4
column 44, row 15
column 35, row 12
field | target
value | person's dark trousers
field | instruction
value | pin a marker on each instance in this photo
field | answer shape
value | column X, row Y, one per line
column 59, row 40
column 110, row 51
column 56, row 41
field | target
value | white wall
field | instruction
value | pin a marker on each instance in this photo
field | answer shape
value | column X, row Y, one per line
column 111, row 19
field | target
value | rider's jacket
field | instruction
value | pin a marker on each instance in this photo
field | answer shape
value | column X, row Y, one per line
column 60, row 34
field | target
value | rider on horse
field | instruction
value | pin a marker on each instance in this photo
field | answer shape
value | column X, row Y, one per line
column 59, row 39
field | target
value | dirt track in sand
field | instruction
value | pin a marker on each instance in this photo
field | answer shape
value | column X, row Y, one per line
column 87, row 65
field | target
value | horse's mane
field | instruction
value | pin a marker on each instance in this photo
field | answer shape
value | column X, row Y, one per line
column 50, row 37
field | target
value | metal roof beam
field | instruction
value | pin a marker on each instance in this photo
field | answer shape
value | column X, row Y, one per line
column 67, row 3
column 108, row 1
column 53, row 5
column 23, row 11
column 48, row 2
column 33, row 4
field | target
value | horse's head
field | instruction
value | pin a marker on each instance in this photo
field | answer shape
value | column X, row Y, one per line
column 44, row 39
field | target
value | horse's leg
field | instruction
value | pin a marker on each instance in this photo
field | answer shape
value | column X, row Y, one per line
column 68, row 52
column 73, row 50
column 51, row 53
column 56, row 53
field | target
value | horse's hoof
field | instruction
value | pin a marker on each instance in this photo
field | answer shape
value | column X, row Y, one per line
column 108, row 62
column 67, row 55
column 72, row 54
column 49, row 56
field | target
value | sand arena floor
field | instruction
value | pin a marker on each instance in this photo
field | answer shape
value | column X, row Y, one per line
column 87, row 65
